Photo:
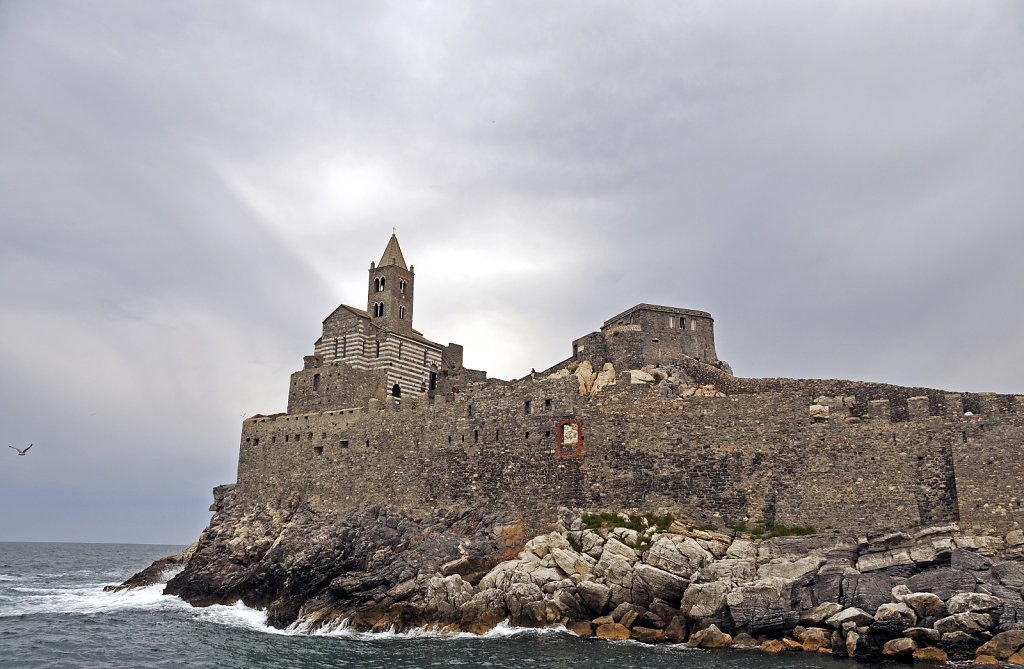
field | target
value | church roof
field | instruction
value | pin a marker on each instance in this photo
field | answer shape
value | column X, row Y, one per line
column 393, row 254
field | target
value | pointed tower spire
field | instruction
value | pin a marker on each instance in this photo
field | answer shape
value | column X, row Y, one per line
column 389, row 292
column 393, row 254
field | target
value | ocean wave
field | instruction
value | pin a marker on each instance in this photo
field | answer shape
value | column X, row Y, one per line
column 239, row 615
column 86, row 600
column 8, row 577
column 501, row 630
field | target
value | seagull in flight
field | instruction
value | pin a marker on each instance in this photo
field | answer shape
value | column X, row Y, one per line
column 20, row 451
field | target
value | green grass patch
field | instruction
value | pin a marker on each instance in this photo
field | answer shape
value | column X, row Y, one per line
column 635, row 521
column 768, row 529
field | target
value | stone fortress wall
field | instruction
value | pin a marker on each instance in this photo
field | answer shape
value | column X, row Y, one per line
column 885, row 457
column 759, row 455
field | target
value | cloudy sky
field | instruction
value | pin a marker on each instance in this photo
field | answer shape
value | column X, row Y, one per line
column 188, row 188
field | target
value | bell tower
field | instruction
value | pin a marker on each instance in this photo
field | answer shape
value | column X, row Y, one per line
column 389, row 293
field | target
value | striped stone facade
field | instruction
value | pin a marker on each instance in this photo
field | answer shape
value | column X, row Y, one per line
column 374, row 353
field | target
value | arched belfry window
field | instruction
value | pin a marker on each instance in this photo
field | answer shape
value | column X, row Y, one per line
column 396, row 390
column 382, row 283
column 376, row 285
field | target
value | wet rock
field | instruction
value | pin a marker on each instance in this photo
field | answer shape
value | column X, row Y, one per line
column 648, row 635
column 580, row 627
column 929, row 655
column 710, row 637
column 898, row 610
column 676, row 630
column 612, row 631
column 744, row 640
column 1003, row 645
column 899, row 649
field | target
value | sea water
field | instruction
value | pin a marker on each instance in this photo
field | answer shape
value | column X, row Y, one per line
column 54, row 613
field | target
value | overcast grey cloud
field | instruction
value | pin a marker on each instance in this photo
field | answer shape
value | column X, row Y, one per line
column 188, row 188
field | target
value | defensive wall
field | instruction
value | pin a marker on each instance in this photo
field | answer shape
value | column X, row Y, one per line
column 887, row 456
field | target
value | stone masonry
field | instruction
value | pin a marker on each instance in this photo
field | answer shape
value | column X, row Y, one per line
column 870, row 456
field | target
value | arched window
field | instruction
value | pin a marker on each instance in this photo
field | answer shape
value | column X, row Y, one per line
column 382, row 283
column 396, row 390
column 376, row 285
column 401, row 312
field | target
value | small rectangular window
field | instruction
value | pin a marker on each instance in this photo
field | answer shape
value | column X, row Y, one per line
column 273, row 440
column 470, row 409
column 495, row 435
column 476, row 436
column 256, row 441
column 526, row 406
column 547, row 404
column 287, row 437
column 319, row 450
column 526, row 436
column 247, row 440
column 316, row 382
column 323, row 435
column 344, row 443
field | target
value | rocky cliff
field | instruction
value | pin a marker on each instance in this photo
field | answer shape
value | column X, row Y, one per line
column 929, row 592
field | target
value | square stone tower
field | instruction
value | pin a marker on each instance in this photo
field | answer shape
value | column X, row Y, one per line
column 390, row 291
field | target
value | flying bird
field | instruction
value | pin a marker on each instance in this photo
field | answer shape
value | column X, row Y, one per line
column 20, row 451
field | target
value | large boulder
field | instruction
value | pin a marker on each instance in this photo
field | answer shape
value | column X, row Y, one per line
column 1003, row 645
column 711, row 637
column 959, row 645
column 596, row 595
column 612, row 631
column 971, row 623
column 926, row 604
column 762, row 606
column 943, row 581
column 866, row 591
column 678, row 555
column 650, row 583
column 858, row 617
column 705, row 600
column 899, row 649
column 972, row 602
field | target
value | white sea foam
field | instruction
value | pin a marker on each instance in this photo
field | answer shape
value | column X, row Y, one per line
column 342, row 629
column 88, row 599
column 239, row 615
column 7, row 577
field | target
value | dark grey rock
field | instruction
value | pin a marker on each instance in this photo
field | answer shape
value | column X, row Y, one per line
column 866, row 591
column 943, row 581
column 969, row 560
column 959, row 646
column 1009, row 574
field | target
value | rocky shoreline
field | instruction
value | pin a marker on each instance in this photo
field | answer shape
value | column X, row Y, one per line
column 928, row 593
